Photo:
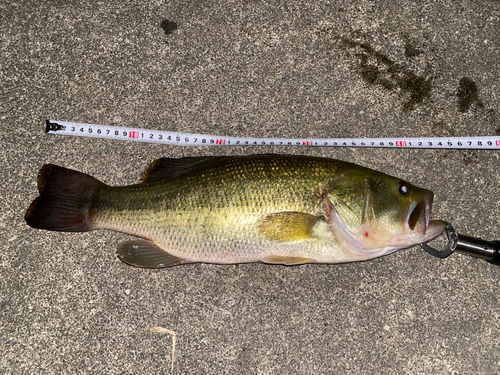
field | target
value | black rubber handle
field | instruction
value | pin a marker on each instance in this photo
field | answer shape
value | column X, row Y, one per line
column 496, row 254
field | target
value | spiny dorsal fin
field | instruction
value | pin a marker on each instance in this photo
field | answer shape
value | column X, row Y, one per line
column 288, row 226
column 166, row 168
column 145, row 254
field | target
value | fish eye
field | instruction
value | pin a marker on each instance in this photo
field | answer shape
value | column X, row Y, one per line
column 404, row 188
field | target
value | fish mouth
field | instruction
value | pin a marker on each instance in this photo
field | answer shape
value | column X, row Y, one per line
column 419, row 213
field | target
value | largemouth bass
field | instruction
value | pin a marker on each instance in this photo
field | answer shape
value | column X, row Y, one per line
column 237, row 209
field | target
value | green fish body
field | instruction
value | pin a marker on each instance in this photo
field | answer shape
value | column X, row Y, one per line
column 238, row 209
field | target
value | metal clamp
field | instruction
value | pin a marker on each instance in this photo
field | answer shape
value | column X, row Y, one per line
column 450, row 247
column 476, row 247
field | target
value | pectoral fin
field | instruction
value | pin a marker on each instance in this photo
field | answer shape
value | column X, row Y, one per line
column 145, row 254
column 288, row 226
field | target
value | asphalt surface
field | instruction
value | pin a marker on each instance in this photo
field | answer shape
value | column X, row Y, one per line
column 276, row 69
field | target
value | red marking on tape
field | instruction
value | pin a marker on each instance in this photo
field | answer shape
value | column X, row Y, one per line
column 400, row 143
column 133, row 134
column 220, row 141
column 497, row 142
column 307, row 143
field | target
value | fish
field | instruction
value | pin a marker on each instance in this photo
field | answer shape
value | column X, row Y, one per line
column 276, row 209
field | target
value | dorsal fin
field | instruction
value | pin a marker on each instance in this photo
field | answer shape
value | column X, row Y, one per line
column 166, row 168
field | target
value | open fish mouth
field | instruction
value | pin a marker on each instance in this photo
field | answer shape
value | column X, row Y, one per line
column 418, row 214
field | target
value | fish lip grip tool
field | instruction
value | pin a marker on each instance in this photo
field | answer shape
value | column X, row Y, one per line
column 473, row 246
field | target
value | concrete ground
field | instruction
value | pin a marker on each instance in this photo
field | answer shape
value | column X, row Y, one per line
column 279, row 69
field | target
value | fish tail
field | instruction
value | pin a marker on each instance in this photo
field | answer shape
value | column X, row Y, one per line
column 65, row 201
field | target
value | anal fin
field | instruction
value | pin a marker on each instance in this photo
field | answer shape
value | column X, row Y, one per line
column 145, row 254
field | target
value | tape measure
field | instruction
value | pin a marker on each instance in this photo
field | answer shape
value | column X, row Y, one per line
column 189, row 139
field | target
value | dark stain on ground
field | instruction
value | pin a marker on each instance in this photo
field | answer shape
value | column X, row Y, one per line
column 376, row 68
column 168, row 26
column 467, row 95
column 411, row 51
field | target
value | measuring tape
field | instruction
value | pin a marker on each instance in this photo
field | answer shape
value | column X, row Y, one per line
column 189, row 139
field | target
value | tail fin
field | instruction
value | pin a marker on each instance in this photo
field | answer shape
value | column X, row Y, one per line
column 65, row 199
